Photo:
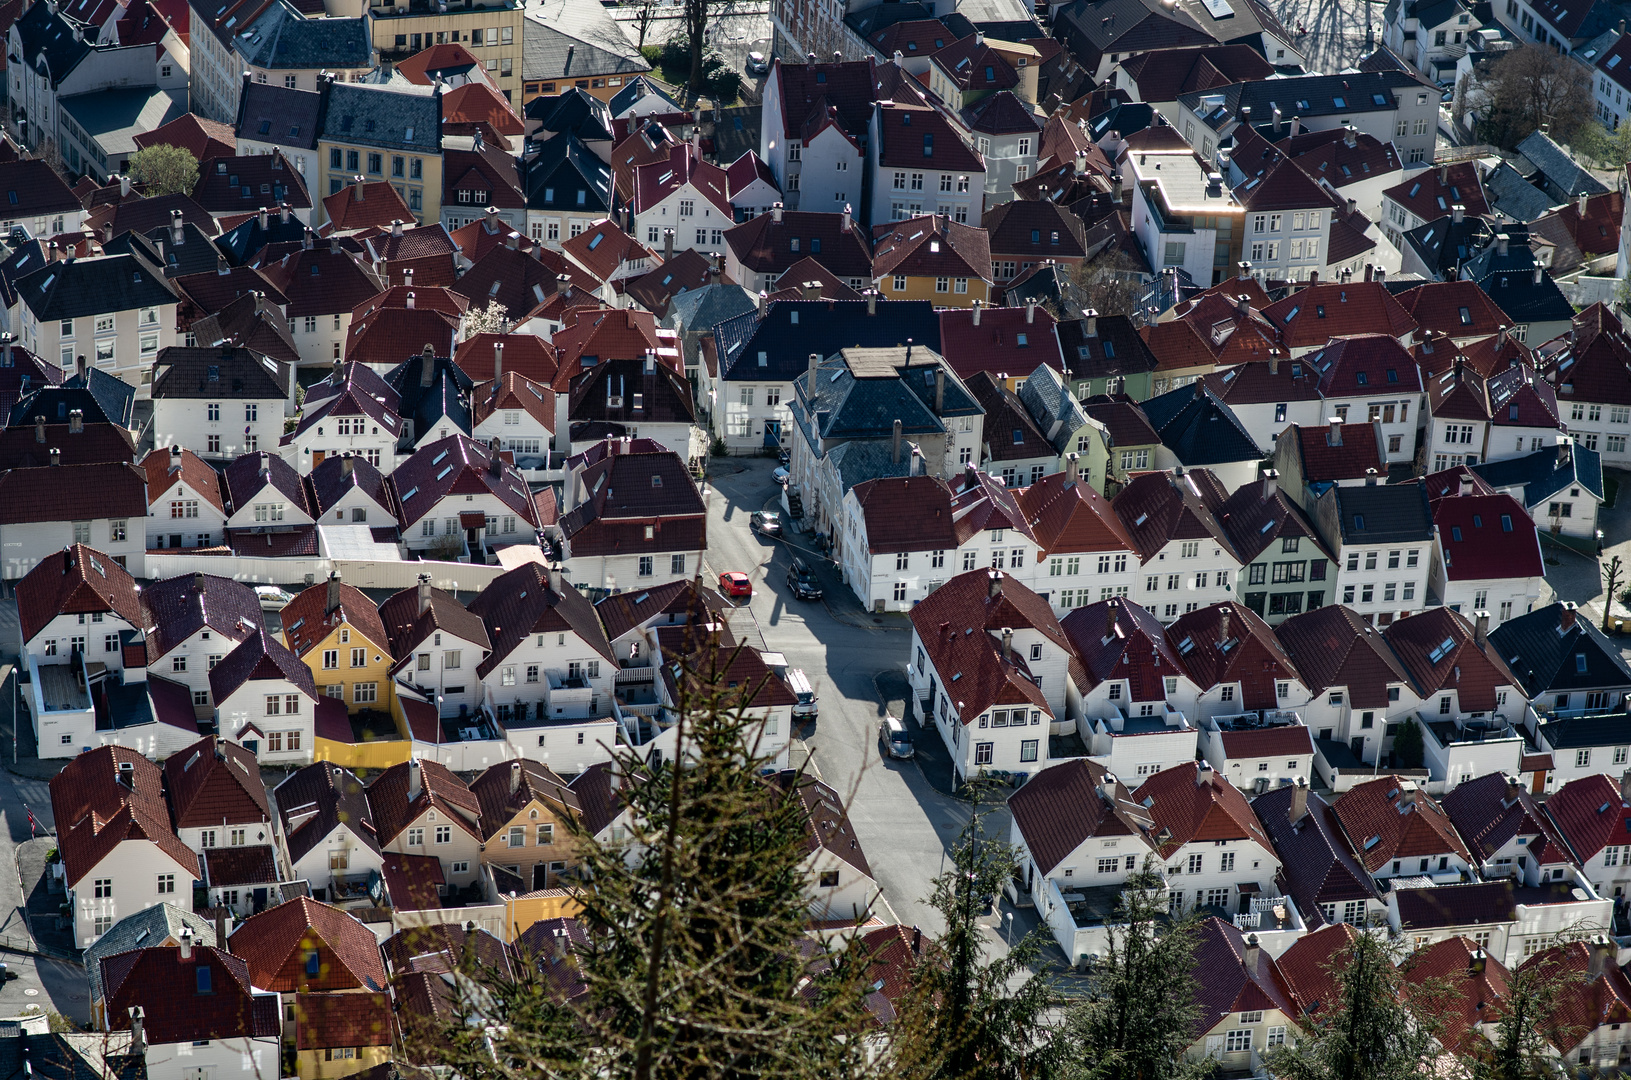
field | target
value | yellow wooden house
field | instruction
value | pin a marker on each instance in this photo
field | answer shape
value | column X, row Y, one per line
column 525, row 811
column 932, row 258
column 337, row 632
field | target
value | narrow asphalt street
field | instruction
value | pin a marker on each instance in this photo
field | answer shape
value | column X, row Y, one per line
column 906, row 826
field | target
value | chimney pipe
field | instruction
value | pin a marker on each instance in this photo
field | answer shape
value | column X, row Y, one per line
column 138, row 1027
column 186, row 940
column 993, row 582
column 1334, row 436
column 894, row 454
column 415, row 782
column 815, row 362
column 1299, row 801
column 1271, row 483
column 1566, row 617
column 977, row 313
column 1480, row 626
column 515, row 777
column 1253, row 952
column 498, row 365
column 347, row 464
column 1007, row 643
column 332, row 602
column 424, row 593
column 39, row 430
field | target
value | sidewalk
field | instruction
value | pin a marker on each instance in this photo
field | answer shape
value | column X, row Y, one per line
column 53, row 934
column 26, row 762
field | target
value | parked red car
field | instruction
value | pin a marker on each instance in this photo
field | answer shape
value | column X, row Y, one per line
column 735, row 583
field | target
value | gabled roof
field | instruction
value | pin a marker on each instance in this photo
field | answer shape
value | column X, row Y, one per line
column 439, row 789
column 105, row 796
column 1192, row 803
column 250, row 475
column 178, row 607
column 505, row 789
column 315, row 800
column 1066, row 516
column 72, row 290
column 1553, row 649
column 276, row 943
column 307, row 620
column 826, row 824
column 1117, row 640
column 1159, row 507
column 259, row 656
column 527, row 355
column 329, row 483
column 1591, row 813
column 180, row 1002
column 777, row 346
column 1434, row 192
column 931, row 245
column 1318, row 866
column 1438, row 647
column 1384, row 822
column 1228, row 643
column 572, row 39
column 1066, row 804
column 958, row 624
column 1489, row 811
column 906, row 513
column 1581, row 1004
column 685, row 167
column 1457, row 309
column 1255, row 516
column 157, row 925
column 1592, row 362
column 1509, row 278
column 77, row 579
column 1005, row 341
column 526, row 601
column 457, row 465
column 1378, row 513
column 215, row 781
column 1311, row 316
column 1358, row 452
column 408, row 625
column 1546, row 472
column 1333, row 647
column 1225, row 982
column 1462, row 985
column 217, row 373
column 766, row 245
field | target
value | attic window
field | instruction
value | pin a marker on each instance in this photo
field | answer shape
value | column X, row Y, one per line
column 1455, row 533
column 1506, row 522
column 596, row 241
column 1361, row 377
column 203, row 978
column 1392, row 375
column 1466, row 317
column 1379, row 99
column 764, row 358
column 1109, row 350
column 1339, row 103
column 928, row 146
column 1359, row 522
column 1580, row 662
column 656, row 481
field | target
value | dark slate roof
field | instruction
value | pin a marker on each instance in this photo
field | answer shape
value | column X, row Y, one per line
column 823, row 327
column 1443, row 245
column 218, row 373
column 1545, row 657
column 1509, row 280
column 1115, row 348
column 85, row 287
column 1578, row 732
column 1199, row 428
column 846, row 407
column 447, row 393
column 50, row 43
column 108, row 400
column 284, row 38
column 573, row 110
column 572, row 39
column 565, row 164
column 1514, row 196
column 1305, row 96
column 1563, row 177
column 280, row 115
column 399, row 118
column 24, row 259
column 1383, row 513
column 1541, row 474
column 243, row 242
column 1318, row 865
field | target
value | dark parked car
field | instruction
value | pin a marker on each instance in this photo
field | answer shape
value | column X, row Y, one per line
column 802, row 580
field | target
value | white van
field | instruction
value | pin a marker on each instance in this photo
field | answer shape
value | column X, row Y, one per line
column 799, row 683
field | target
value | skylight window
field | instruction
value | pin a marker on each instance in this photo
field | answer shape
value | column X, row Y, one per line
column 1441, row 650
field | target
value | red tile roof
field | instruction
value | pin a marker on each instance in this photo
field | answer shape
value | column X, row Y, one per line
column 1473, row 669
column 108, row 795
column 1064, row 805
column 509, row 787
column 215, row 782
column 1591, row 361
column 278, row 942
column 180, row 1003
column 166, row 469
column 1117, row 639
column 1310, row 968
column 1581, row 1004
column 307, row 621
column 958, row 624
column 906, row 513
column 1333, row 647
column 529, row 600
column 198, row 136
column 1489, row 811
column 527, row 355
column 1384, row 822
column 1457, row 309
column 767, row 246
column 1312, row 316
column 1191, row 802
column 931, row 246
column 922, row 138
column 379, row 205
column 1323, row 461
column 476, row 102
column 1225, row 984
column 408, row 626
column 72, row 493
column 458, row 465
column 1066, row 517
column 1461, row 985
column 326, row 1021
column 439, row 789
column 1591, row 814
column 1487, row 537
column 1005, row 342
column 1432, row 193
column 77, row 579
column 1228, row 643
column 1156, row 508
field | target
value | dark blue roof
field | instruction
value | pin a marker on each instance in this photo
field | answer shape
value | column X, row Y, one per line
column 1546, row 660
column 1383, row 513
column 399, row 118
column 1509, row 280
column 108, row 400
column 560, row 168
column 823, row 327
column 1541, row 474
column 1199, row 428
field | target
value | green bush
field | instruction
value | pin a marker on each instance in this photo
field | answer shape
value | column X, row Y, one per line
column 725, row 85
column 675, row 56
column 651, row 54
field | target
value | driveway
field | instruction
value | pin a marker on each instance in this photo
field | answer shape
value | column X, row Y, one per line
column 906, row 824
